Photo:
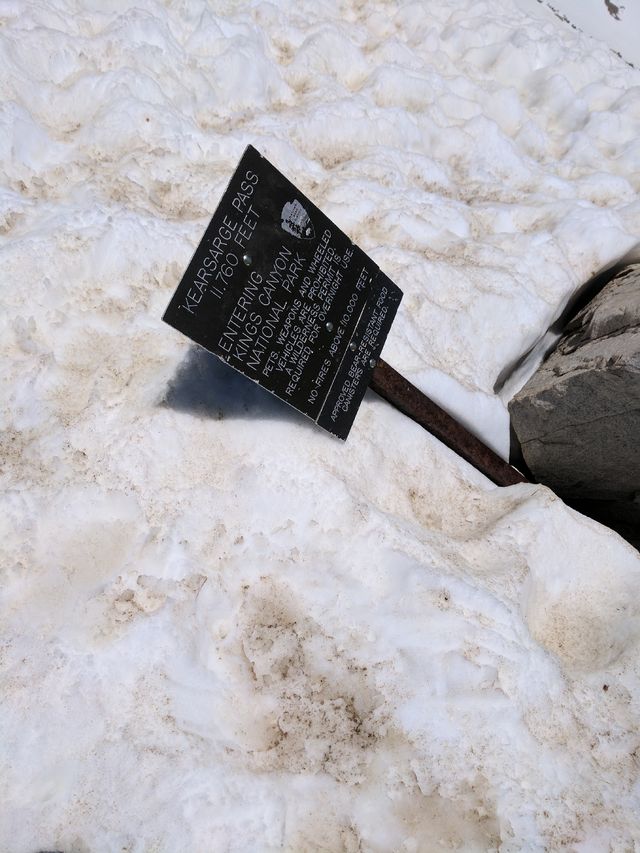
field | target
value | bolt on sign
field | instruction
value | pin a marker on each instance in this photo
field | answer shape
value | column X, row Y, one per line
column 277, row 291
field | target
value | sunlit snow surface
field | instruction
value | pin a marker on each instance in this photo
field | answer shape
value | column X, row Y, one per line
column 222, row 629
column 616, row 23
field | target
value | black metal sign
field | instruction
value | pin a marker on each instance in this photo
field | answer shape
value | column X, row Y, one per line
column 278, row 292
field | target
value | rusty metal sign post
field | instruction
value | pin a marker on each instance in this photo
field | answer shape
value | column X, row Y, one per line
column 405, row 397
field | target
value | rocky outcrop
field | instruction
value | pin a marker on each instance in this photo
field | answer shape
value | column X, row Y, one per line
column 578, row 418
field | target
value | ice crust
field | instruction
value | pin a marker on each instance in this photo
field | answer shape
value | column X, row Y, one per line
column 221, row 629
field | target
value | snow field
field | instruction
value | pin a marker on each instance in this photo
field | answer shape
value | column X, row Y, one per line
column 223, row 630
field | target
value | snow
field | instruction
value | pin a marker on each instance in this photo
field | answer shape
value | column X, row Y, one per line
column 222, row 629
column 617, row 24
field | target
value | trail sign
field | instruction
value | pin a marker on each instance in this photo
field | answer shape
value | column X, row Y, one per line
column 277, row 291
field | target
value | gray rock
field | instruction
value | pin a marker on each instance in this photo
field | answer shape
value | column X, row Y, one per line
column 578, row 417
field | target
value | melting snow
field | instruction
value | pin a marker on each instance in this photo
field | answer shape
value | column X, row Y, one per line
column 221, row 629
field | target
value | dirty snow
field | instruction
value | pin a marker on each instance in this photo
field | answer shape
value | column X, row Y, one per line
column 222, row 629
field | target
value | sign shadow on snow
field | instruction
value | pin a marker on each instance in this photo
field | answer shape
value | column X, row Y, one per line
column 206, row 387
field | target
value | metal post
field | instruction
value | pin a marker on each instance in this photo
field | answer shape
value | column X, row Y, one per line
column 394, row 388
